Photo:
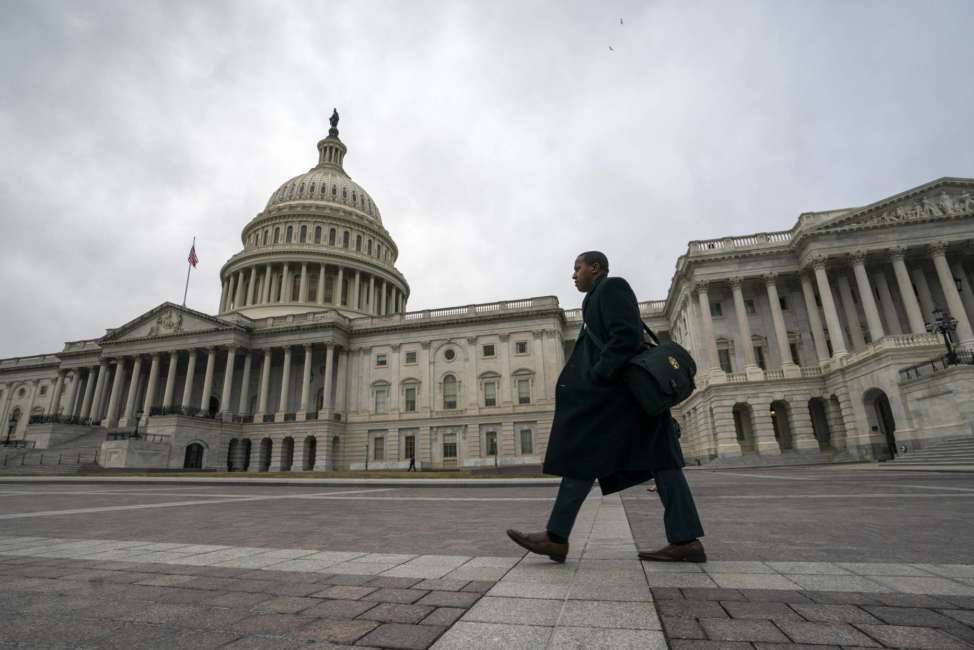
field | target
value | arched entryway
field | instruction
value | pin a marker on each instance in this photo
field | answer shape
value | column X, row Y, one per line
column 233, row 453
column 780, row 414
column 820, row 423
column 744, row 427
column 310, row 451
column 880, row 416
column 266, row 447
column 287, row 454
column 193, row 458
column 245, row 453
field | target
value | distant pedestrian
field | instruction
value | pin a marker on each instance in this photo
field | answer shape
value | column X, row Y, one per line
column 601, row 432
column 412, row 464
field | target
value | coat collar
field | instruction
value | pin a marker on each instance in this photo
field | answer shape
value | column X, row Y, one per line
column 595, row 286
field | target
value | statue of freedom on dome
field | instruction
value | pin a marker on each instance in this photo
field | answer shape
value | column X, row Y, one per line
column 334, row 118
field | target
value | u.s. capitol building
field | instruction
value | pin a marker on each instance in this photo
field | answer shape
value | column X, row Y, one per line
column 812, row 345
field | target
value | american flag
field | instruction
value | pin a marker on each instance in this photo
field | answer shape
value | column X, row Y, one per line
column 193, row 260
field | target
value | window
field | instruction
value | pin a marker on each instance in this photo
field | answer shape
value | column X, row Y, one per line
column 449, row 392
column 450, row 355
column 410, row 399
column 381, row 399
column 345, row 239
column 267, row 233
column 488, row 350
column 409, row 447
column 317, row 234
column 783, row 303
column 794, row 353
column 358, row 243
column 449, row 445
column 749, row 307
column 527, row 442
column 43, row 391
column 304, row 234
column 380, row 361
column 379, row 449
column 411, row 356
column 759, row 357
column 490, row 443
column 725, row 361
column 290, row 234
column 716, row 309
column 523, row 391
column 277, row 235
column 368, row 247
column 490, row 393
column 521, row 347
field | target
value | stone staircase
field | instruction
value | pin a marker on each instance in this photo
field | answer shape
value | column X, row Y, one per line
column 956, row 451
column 70, row 457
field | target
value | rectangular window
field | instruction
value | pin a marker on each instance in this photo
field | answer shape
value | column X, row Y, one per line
column 794, row 353
column 490, row 393
column 380, row 361
column 379, row 449
column 410, row 399
column 490, row 442
column 449, row 393
column 411, row 357
column 527, row 442
column 716, row 309
column 409, row 447
column 449, row 445
column 43, row 390
column 725, row 361
column 521, row 347
column 783, row 303
column 488, row 350
column 523, row 391
column 749, row 307
column 381, row 399
column 759, row 356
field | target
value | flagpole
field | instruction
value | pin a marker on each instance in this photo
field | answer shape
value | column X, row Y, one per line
column 189, row 267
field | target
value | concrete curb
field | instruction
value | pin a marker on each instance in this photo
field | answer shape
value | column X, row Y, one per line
column 343, row 482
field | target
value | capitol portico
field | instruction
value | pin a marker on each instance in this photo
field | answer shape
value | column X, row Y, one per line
column 812, row 345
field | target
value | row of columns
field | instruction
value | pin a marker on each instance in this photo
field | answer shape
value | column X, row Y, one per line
column 864, row 284
column 240, row 289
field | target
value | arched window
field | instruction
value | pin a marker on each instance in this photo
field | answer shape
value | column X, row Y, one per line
column 277, row 235
column 369, row 247
column 12, row 423
column 358, row 243
column 345, row 239
column 290, row 234
column 331, row 237
column 449, row 392
column 267, row 233
column 304, row 234
column 317, row 234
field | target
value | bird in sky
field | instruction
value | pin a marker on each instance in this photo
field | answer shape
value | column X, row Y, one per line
column 620, row 21
column 611, row 49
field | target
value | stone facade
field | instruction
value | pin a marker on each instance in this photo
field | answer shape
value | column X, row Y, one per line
column 812, row 345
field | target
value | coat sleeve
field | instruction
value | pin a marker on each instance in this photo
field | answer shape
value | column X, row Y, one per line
column 619, row 312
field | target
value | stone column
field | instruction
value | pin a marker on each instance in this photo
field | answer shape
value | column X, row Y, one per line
column 150, row 390
column 225, row 408
column 907, row 295
column 110, row 417
column 265, row 291
column 231, row 292
column 955, row 306
column 252, row 285
column 285, row 386
column 866, row 296
column 238, row 299
column 802, row 430
column 923, row 292
column 336, row 294
column 208, row 381
column 382, row 298
column 727, row 444
column 242, row 406
column 56, row 393
column 957, row 269
column 503, row 384
column 814, row 321
column 133, row 391
column 707, row 326
column 355, row 297
column 223, row 295
column 85, row 412
column 371, row 305
column 341, row 355
column 100, row 387
column 828, row 305
column 305, row 383
column 744, row 330
column 73, row 395
column 265, row 382
column 886, row 303
column 320, row 297
column 303, row 286
column 851, row 314
column 186, row 406
column 167, row 393
column 780, row 332
column 764, row 440
column 326, row 403
column 285, row 294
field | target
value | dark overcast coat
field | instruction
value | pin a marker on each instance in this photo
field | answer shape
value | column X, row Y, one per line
column 599, row 430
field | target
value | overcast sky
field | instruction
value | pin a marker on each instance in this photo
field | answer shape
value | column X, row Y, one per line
column 499, row 139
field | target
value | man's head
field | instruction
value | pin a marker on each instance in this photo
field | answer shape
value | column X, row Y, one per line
column 589, row 267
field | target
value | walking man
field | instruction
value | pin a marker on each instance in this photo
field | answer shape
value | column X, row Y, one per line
column 600, row 431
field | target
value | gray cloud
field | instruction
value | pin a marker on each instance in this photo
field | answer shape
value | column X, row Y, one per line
column 499, row 139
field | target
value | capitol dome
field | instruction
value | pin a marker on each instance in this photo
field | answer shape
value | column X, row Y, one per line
column 319, row 244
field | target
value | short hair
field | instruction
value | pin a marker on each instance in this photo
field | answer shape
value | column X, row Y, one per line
column 596, row 257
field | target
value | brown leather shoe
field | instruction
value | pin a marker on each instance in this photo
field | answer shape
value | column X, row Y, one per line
column 540, row 543
column 692, row 552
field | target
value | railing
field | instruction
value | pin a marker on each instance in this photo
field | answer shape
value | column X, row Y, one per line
column 774, row 374
column 647, row 308
column 23, row 444
column 290, row 417
column 939, row 364
column 132, row 435
column 40, row 359
column 267, row 417
column 57, row 419
column 736, row 378
column 76, row 346
column 543, row 302
column 812, row 371
column 52, row 459
column 312, row 415
column 243, row 419
column 757, row 240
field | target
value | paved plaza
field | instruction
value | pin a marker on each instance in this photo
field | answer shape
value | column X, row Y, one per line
column 800, row 558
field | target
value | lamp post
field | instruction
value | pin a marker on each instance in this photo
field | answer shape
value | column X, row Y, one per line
column 945, row 324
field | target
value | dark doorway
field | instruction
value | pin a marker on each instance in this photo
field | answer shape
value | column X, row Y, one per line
column 287, row 454
column 266, row 445
column 214, row 407
column 194, row 456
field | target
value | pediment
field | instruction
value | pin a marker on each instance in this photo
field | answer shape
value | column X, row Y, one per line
column 167, row 319
column 946, row 198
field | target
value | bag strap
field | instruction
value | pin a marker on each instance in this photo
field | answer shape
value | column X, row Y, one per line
column 601, row 346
